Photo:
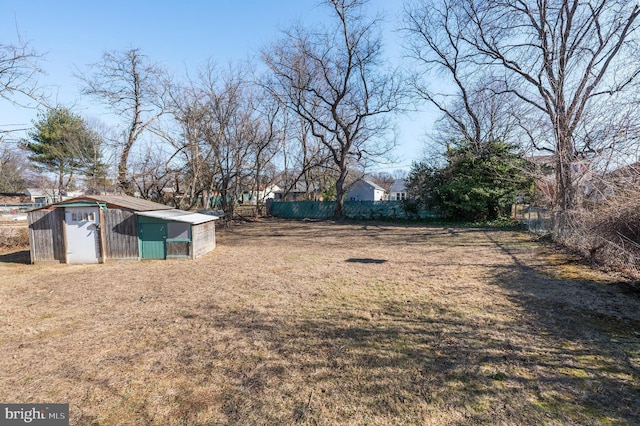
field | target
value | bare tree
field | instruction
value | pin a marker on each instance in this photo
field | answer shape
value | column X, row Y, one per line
column 333, row 80
column 150, row 174
column 133, row 88
column 19, row 72
column 559, row 57
column 228, row 129
column 13, row 170
column 471, row 111
column 192, row 157
column 268, row 135
column 99, row 168
column 304, row 158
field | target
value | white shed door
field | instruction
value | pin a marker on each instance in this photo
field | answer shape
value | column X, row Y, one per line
column 82, row 234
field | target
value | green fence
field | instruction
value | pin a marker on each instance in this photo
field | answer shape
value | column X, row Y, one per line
column 352, row 210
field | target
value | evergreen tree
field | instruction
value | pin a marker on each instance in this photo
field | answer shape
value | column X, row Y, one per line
column 477, row 183
column 62, row 143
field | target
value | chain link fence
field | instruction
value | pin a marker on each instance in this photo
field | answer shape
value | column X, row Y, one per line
column 16, row 211
column 539, row 220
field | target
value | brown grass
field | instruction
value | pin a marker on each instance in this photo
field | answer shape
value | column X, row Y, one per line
column 323, row 323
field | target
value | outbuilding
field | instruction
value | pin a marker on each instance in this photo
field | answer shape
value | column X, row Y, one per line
column 102, row 228
column 365, row 190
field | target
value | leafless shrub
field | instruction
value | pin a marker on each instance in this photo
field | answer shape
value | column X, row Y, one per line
column 608, row 234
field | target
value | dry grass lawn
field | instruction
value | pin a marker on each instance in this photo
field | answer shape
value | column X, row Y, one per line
column 325, row 323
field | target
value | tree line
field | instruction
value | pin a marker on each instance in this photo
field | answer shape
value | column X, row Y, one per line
column 536, row 98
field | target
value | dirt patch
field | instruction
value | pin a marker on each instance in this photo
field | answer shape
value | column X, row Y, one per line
column 324, row 323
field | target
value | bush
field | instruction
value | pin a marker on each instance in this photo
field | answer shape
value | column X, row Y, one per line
column 477, row 183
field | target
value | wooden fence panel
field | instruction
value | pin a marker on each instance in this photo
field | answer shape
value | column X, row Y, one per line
column 121, row 234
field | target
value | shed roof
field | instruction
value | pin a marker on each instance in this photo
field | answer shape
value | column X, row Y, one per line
column 123, row 201
column 179, row 216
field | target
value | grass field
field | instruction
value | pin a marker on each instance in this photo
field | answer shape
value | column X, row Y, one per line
column 323, row 324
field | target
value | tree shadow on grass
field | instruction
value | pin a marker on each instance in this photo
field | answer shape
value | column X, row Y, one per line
column 383, row 233
column 589, row 339
column 414, row 359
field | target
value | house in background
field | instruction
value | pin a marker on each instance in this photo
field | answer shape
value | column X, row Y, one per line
column 41, row 196
column 101, row 228
column 260, row 196
column 300, row 192
column 398, row 191
column 365, row 190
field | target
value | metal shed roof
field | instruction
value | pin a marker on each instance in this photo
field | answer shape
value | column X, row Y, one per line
column 126, row 201
column 123, row 201
column 179, row 216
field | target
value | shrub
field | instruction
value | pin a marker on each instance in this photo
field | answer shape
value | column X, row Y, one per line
column 607, row 234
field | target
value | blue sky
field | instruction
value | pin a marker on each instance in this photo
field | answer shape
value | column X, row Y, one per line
column 180, row 35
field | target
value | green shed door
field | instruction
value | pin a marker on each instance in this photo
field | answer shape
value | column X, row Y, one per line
column 153, row 240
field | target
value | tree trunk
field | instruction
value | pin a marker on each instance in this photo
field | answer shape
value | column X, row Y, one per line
column 565, row 161
column 123, row 174
column 338, row 213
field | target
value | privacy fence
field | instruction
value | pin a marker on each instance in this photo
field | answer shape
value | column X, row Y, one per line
column 539, row 220
column 358, row 210
column 536, row 219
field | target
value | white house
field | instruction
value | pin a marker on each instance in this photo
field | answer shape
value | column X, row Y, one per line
column 41, row 196
column 398, row 191
column 262, row 195
column 364, row 190
column 300, row 192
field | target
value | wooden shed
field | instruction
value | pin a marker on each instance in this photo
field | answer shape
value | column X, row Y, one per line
column 101, row 228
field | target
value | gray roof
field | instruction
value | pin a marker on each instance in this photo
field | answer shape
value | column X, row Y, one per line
column 398, row 186
column 123, row 201
column 126, row 201
column 179, row 216
column 375, row 185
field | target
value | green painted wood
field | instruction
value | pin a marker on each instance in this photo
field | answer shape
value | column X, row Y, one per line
column 352, row 210
column 153, row 237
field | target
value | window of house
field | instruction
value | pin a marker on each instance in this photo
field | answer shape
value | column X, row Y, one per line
column 178, row 231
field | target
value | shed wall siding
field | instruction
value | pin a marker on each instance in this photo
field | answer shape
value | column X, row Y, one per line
column 46, row 236
column 121, row 234
column 203, row 237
